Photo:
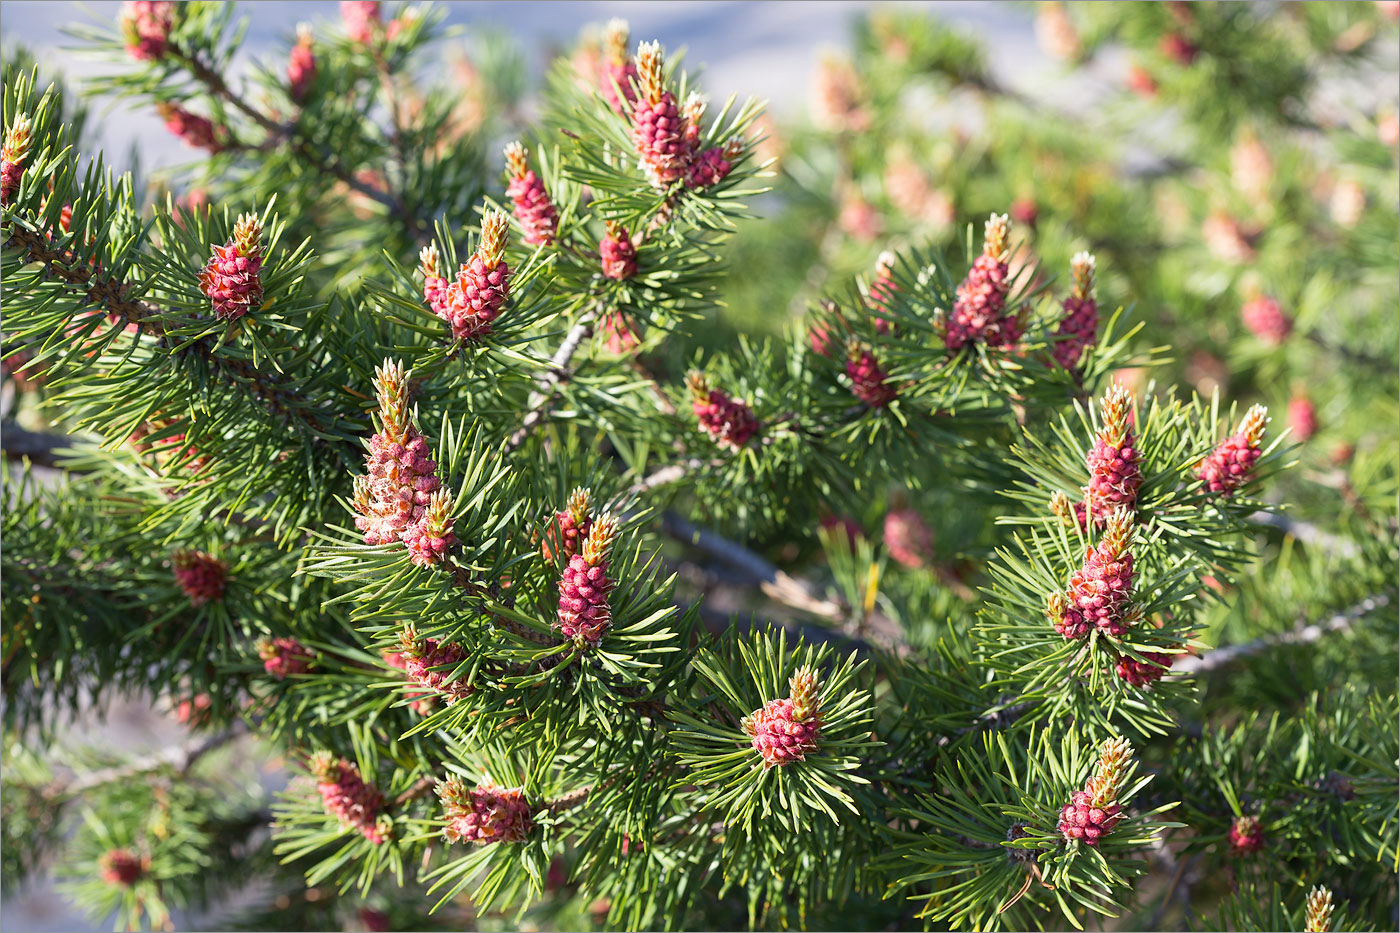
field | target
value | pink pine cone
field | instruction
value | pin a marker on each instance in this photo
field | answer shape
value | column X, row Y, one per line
column 978, row 311
column 1083, row 821
column 533, row 208
column 362, row 19
column 625, row 74
column 908, row 537
column 584, row 614
column 431, row 664
column 658, row 135
column 475, row 299
column 195, row 131
column 486, row 814
column 10, row 175
column 422, row 702
column 1246, row 835
column 1228, row 466
column 347, row 797
column 869, row 382
column 122, row 867
column 708, row 168
column 729, row 421
column 1265, row 319
column 201, row 576
column 232, row 282
column 619, row 334
column 283, row 657
column 1302, row 417
column 301, row 67
column 778, row 737
column 1079, row 330
column 146, row 25
column 1143, row 673
column 618, row 255
column 402, row 479
column 1115, row 475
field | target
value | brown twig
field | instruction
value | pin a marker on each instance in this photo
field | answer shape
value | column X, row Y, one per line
column 1303, row 635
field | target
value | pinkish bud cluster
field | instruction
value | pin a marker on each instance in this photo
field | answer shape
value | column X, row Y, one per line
column 619, row 333
column 708, row 167
column 484, row 814
column 1115, row 465
column 1079, row 328
column 569, row 529
column 658, row 126
column 432, row 664
column 472, row 301
column 283, row 657
column 1246, row 835
column 233, row 278
column 195, row 131
column 908, row 537
column 201, row 576
column 400, row 498
column 1025, row 211
column 301, row 64
column 882, row 291
column 347, row 797
column 1265, row 319
column 1101, row 590
column 362, row 20
column 532, row 206
column 1071, row 514
column 422, row 703
column 1228, row 466
column 1094, row 811
column 1302, row 417
column 584, row 615
column 619, row 73
column 786, row 730
column 195, row 711
column 1178, row 48
column 618, row 253
column 729, row 421
column 122, row 867
column 1145, row 672
column 146, row 25
column 979, row 313
column 869, row 382
column 18, row 138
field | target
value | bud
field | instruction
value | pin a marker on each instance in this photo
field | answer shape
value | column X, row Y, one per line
column 1055, row 32
column 195, row 131
column 18, row 138
column 1100, row 591
column 1178, row 48
column 1110, row 772
column 146, row 25
column 908, row 537
column 1302, row 417
column 1225, row 238
column 1094, row 811
column 620, row 334
column 1246, row 835
column 301, row 64
column 658, row 126
column 619, row 75
column 1228, row 466
column 233, row 278
column 708, row 168
column 869, row 382
column 1115, row 465
column 484, row 814
column 434, row 285
column 532, row 206
column 836, row 97
column 570, row 527
column 1317, row 916
column 882, row 291
column 362, row 20
column 729, row 421
column 1069, row 513
column 584, row 615
column 1265, row 319
column 432, row 663
column 283, row 657
column 122, row 867
column 203, row 577
column 471, row 302
column 346, row 796
column 618, row 254
column 1146, row 672
column 979, row 313
column 786, row 730
column 1140, row 81
column 429, row 539
column 1079, row 328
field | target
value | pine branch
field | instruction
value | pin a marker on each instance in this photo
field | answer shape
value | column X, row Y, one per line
column 38, row 447
column 541, row 400
column 180, row 757
column 1303, row 635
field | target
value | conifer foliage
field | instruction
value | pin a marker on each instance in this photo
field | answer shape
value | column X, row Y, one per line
column 414, row 465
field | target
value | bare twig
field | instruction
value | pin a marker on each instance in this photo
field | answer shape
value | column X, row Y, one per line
column 1304, row 635
column 38, row 447
column 180, row 757
column 541, row 400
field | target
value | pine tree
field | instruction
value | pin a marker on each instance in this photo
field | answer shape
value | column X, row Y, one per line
column 446, row 486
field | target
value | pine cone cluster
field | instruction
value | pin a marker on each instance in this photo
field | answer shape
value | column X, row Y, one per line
column 283, row 657
column 532, row 207
column 1115, row 465
column 584, row 615
column 472, row 301
column 347, row 797
column 729, row 421
column 1079, row 328
column 202, row 577
column 1228, row 466
column 979, row 313
column 233, row 278
column 146, row 26
column 432, row 663
column 786, row 730
column 484, row 814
